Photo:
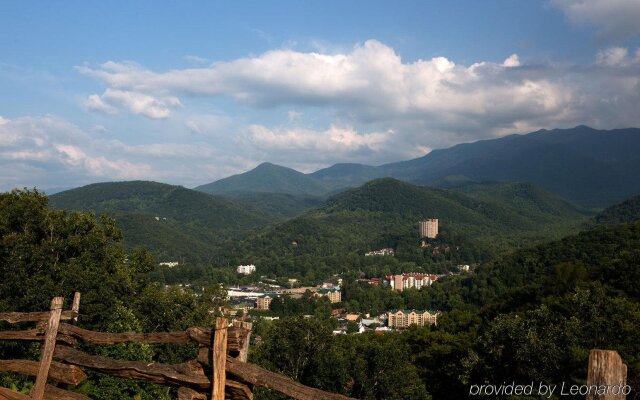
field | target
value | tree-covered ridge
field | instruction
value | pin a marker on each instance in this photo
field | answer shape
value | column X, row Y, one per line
column 385, row 213
column 173, row 222
column 268, row 178
column 160, row 199
column 280, row 206
column 527, row 198
column 627, row 211
column 608, row 255
column 587, row 166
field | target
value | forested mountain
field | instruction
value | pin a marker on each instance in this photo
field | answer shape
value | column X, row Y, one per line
column 269, row 178
column 348, row 174
column 280, row 206
column 627, row 211
column 587, row 166
column 386, row 212
column 174, row 222
column 581, row 164
column 526, row 198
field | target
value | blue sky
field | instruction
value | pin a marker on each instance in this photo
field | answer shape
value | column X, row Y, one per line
column 189, row 92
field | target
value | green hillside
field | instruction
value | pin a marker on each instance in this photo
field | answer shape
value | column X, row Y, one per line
column 627, row 211
column 385, row 213
column 269, row 178
column 174, row 222
column 526, row 198
column 280, row 206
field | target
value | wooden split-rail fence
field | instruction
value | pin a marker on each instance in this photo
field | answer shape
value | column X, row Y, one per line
column 220, row 371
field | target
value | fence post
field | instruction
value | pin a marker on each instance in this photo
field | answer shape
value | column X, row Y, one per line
column 244, row 350
column 606, row 368
column 46, row 355
column 75, row 307
column 219, row 359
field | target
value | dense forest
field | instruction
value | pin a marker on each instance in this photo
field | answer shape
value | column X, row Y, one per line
column 385, row 213
column 532, row 314
column 174, row 223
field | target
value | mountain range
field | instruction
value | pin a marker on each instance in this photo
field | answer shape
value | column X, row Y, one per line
column 494, row 194
column 385, row 213
column 587, row 166
column 175, row 223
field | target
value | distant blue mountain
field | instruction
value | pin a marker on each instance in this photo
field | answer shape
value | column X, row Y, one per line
column 594, row 168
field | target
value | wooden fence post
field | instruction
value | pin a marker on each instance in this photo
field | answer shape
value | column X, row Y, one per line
column 46, row 354
column 75, row 307
column 244, row 350
column 606, row 368
column 219, row 359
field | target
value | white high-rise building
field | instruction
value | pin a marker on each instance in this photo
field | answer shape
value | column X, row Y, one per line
column 429, row 228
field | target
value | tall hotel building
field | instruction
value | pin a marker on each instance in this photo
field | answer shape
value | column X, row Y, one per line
column 406, row 318
column 429, row 228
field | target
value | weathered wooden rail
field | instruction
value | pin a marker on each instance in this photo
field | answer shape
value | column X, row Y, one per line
column 219, row 372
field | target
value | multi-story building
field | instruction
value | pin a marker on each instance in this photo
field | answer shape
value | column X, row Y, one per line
column 429, row 228
column 406, row 318
column 263, row 302
column 246, row 269
column 411, row 280
column 334, row 295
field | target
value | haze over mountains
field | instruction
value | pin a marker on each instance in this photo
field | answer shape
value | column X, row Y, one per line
column 498, row 194
column 587, row 166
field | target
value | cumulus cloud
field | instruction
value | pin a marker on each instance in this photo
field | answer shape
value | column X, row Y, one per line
column 512, row 61
column 3, row 120
column 95, row 103
column 371, row 86
column 365, row 104
column 335, row 139
column 614, row 19
column 48, row 151
column 138, row 103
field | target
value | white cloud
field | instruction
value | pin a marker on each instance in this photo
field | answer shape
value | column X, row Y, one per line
column 512, row 61
column 334, row 139
column 614, row 19
column 371, row 85
column 303, row 146
column 613, row 56
column 3, row 120
column 95, row 103
column 365, row 104
column 48, row 151
column 135, row 102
